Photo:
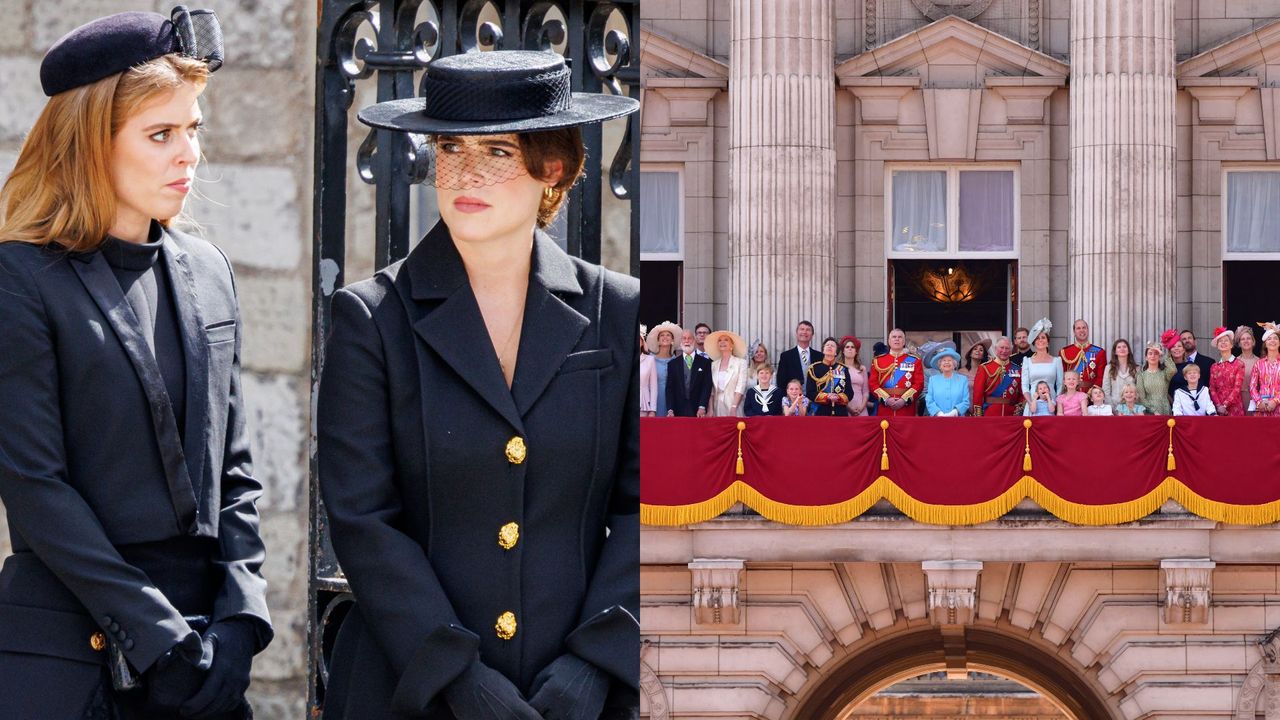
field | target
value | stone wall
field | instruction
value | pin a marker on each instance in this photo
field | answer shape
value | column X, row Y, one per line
column 253, row 201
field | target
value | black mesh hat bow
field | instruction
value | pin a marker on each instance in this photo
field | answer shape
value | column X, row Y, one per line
column 497, row 92
column 115, row 43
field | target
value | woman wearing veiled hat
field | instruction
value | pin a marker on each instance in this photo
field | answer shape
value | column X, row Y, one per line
column 1041, row 364
column 135, row 587
column 478, row 426
column 1264, row 381
column 1226, row 376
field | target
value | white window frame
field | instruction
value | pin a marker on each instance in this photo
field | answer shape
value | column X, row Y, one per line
column 1222, row 215
column 953, row 211
column 678, row 169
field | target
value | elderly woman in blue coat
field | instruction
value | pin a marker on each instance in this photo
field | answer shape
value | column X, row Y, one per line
column 948, row 392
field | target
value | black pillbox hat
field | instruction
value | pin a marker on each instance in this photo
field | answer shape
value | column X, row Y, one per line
column 115, row 43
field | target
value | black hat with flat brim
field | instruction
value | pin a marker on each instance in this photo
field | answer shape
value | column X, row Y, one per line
column 491, row 93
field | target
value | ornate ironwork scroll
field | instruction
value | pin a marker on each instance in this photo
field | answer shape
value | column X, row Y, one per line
column 386, row 44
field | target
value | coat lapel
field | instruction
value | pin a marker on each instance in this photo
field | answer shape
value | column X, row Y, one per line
column 195, row 347
column 102, row 286
column 454, row 328
column 551, row 327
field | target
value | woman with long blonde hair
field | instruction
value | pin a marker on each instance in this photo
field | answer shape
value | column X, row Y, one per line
column 135, row 587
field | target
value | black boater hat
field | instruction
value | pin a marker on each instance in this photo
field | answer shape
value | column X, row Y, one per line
column 115, row 43
column 489, row 93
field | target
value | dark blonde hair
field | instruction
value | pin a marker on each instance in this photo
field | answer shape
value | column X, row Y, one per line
column 545, row 146
column 60, row 190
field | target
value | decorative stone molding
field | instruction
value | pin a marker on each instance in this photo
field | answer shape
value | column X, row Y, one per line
column 1025, row 97
column 715, row 590
column 880, row 97
column 938, row 9
column 688, row 99
column 1271, row 121
column 951, row 117
column 651, row 686
column 1260, row 693
column 1187, row 586
column 1216, row 98
column 953, row 590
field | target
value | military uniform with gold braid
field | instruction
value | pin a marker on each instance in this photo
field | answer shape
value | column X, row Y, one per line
column 1087, row 360
column 997, row 389
column 899, row 376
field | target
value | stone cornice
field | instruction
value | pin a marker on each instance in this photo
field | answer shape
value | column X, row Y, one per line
column 1234, row 56
column 667, row 57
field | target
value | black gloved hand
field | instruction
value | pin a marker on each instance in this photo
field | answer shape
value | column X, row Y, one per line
column 234, row 642
column 570, row 688
column 176, row 676
column 482, row 693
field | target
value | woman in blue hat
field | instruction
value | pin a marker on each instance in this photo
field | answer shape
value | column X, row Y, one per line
column 135, row 587
column 947, row 394
column 478, row 426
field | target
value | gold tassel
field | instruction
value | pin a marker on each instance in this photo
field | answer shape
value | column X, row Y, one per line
column 884, row 446
column 1026, row 450
column 1170, row 465
column 740, row 469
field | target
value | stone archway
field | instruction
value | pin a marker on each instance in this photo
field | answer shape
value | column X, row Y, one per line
column 902, row 655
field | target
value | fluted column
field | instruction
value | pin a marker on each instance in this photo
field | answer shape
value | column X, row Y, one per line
column 1121, row 248
column 782, row 167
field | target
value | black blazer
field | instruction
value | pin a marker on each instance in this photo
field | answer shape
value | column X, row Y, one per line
column 686, row 404
column 414, row 427
column 91, row 459
column 789, row 368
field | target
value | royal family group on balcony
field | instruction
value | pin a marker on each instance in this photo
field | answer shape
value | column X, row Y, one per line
column 699, row 373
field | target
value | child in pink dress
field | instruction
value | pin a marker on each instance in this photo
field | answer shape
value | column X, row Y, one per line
column 1071, row 401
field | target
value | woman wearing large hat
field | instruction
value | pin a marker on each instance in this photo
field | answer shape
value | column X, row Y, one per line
column 662, row 341
column 728, row 353
column 135, row 587
column 478, row 426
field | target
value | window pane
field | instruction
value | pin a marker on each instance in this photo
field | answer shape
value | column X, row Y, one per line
column 1253, row 225
column 919, row 211
column 659, row 212
column 986, row 211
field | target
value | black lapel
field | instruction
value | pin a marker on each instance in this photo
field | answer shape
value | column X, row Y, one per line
column 195, row 347
column 454, row 328
column 101, row 283
column 551, row 327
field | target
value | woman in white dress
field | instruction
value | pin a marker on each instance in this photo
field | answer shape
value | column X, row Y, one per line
column 1121, row 370
column 728, row 353
column 1041, row 365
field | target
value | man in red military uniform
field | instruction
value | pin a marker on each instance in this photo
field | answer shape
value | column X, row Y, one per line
column 897, row 378
column 1086, row 359
column 997, row 384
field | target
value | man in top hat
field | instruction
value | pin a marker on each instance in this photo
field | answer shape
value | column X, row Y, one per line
column 897, row 378
column 1087, row 359
column 794, row 364
column 688, row 380
column 997, row 384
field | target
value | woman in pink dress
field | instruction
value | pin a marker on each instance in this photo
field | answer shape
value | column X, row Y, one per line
column 648, row 379
column 849, row 348
column 1264, row 381
column 1226, row 377
column 1247, row 342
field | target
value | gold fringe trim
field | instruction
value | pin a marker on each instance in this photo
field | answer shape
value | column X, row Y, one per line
column 1026, row 487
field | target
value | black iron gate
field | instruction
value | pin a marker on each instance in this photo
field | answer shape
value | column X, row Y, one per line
column 360, row 41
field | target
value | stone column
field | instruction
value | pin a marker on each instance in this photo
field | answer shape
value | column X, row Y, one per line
column 782, row 167
column 1122, row 242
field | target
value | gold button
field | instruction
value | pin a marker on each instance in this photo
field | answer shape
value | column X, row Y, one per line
column 509, row 535
column 98, row 642
column 506, row 625
column 515, row 450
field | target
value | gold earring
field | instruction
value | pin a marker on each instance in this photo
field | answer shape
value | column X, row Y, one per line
column 549, row 193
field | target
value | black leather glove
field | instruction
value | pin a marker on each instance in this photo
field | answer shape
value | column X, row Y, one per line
column 175, row 677
column 234, row 643
column 482, row 693
column 570, row 688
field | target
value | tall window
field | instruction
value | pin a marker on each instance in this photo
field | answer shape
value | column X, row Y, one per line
column 1251, row 227
column 661, row 245
column 951, row 211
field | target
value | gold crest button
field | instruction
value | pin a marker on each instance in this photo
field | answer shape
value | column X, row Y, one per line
column 98, row 642
column 508, row 535
column 506, row 625
column 516, row 451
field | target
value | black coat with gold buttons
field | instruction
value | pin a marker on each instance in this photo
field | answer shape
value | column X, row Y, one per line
column 472, row 518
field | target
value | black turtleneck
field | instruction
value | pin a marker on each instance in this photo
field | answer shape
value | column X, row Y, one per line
column 140, row 270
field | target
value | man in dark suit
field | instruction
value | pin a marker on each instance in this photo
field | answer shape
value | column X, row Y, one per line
column 1201, row 361
column 688, row 381
column 794, row 364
